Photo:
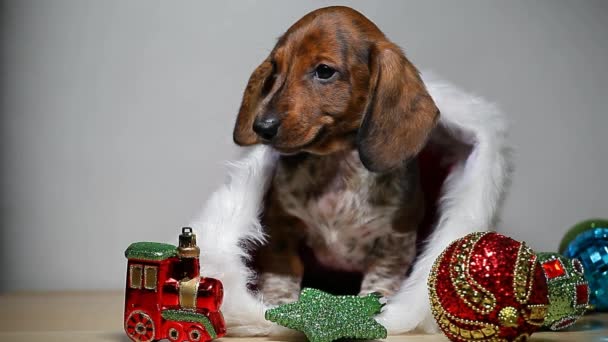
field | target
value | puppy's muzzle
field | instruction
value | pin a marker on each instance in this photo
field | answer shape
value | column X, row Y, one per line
column 267, row 126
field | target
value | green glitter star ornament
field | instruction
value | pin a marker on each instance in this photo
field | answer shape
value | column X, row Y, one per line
column 323, row 317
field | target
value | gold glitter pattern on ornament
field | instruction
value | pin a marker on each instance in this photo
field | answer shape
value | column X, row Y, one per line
column 508, row 316
column 323, row 317
column 473, row 294
column 537, row 314
column 485, row 332
column 523, row 277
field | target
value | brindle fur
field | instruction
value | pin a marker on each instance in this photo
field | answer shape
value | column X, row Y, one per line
column 346, row 183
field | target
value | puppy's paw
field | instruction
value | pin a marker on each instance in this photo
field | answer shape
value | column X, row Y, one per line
column 279, row 289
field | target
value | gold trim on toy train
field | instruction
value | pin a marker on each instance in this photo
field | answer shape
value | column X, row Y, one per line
column 188, row 291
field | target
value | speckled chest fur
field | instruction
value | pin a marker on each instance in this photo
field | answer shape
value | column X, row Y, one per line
column 352, row 216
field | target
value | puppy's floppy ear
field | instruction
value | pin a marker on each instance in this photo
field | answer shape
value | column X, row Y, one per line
column 243, row 133
column 400, row 113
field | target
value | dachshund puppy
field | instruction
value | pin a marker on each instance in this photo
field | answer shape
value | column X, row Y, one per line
column 348, row 114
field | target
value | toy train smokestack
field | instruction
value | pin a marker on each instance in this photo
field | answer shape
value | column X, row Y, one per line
column 187, row 244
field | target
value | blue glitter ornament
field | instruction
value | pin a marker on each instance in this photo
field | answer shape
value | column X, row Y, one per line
column 591, row 248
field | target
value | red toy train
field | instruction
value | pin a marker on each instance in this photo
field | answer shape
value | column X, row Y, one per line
column 165, row 296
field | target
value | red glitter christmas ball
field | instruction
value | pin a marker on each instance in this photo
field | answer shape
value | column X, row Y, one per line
column 488, row 287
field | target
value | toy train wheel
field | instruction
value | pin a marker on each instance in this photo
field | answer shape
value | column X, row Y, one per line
column 175, row 332
column 139, row 327
column 195, row 334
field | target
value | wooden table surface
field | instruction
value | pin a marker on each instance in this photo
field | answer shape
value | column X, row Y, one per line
column 97, row 316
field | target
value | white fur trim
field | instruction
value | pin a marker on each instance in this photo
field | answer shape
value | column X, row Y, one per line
column 227, row 223
column 469, row 202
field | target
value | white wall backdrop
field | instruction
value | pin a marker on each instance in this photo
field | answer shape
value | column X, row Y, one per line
column 117, row 115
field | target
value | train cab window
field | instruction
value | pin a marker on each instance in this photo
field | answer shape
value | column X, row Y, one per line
column 135, row 276
column 150, row 276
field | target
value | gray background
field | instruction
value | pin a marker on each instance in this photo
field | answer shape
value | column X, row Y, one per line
column 117, row 115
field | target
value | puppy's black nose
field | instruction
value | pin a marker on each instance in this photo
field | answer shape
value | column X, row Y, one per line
column 266, row 127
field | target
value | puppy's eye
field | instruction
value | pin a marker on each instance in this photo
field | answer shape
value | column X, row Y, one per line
column 324, row 72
